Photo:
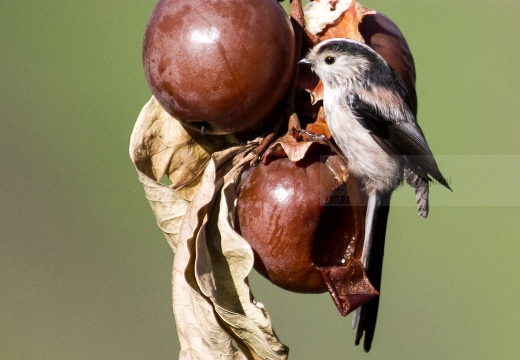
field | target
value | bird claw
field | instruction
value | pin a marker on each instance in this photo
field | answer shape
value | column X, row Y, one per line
column 321, row 138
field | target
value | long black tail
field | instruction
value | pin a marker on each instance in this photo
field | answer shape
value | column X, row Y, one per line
column 374, row 266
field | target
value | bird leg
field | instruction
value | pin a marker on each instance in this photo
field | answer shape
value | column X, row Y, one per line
column 321, row 139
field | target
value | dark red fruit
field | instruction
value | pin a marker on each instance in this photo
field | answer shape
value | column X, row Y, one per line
column 296, row 218
column 383, row 35
column 223, row 64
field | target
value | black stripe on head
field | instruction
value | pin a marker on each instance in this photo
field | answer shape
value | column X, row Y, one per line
column 348, row 47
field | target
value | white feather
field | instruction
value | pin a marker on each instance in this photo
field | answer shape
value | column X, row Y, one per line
column 367, row 160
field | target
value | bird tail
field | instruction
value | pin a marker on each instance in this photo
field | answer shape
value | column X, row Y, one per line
column 421, row 191
column 365, row 317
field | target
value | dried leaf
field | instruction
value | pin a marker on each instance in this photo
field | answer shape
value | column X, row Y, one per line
column 349, row 286
column 339, row 167
column 168, row 206
column 296, row 151
column 200, row 332
column 224, row 260
column 321, row 13
column 335, row 18
column 320, row 125
column 347, row 25
column 212, row 302
column 201, row 335
column 295, row 145
column 316, row 92
column 160, row 146
column 255, row 329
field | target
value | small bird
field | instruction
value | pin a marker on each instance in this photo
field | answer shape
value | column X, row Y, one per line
column 368, row 112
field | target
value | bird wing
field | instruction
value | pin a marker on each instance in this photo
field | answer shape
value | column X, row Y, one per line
column 397, row 132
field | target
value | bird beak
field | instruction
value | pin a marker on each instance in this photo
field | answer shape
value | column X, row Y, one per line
column 306, row 65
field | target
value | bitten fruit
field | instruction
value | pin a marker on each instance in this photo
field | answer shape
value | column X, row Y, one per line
column 299, row 221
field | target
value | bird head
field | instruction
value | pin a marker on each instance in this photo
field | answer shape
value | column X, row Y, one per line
column 340, row 62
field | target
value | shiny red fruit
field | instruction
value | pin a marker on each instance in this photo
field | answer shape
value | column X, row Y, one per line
column 296, row 218
column 222, row 64
column 383, row 35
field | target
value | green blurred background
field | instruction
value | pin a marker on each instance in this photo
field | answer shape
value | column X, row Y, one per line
column 85, row 273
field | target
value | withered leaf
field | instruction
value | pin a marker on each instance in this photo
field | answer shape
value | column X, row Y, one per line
column 200, row 332
column 194, row 213
column 168, row 206
column 335, row 18
column 349, row 286
column 339, row 167
column 160, row 146
column 291, row 145
column 223, row 262
column 295, row 151
column 319, row 127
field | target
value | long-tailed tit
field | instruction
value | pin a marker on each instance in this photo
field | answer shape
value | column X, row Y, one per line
column 368, row 111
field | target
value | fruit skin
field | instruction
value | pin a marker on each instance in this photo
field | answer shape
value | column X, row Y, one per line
column 383, row 35
column 281, row 213
column 221, row 64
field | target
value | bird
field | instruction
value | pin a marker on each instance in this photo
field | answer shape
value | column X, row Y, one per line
column 370, row 117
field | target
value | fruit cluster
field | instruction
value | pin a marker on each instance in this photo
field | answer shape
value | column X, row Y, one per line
column 228, row 69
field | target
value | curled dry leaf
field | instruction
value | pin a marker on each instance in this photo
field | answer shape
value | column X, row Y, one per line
column 224, row 260
column 211, row 299
column 168, row 206
column 210, row 271
column 320, row 125
column 200, row 333
column 161, row 146
column 328, row 19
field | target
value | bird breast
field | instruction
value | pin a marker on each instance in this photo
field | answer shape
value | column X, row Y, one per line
column 367, row 160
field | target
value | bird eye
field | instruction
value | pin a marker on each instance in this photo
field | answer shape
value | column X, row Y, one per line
column 329, row 60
